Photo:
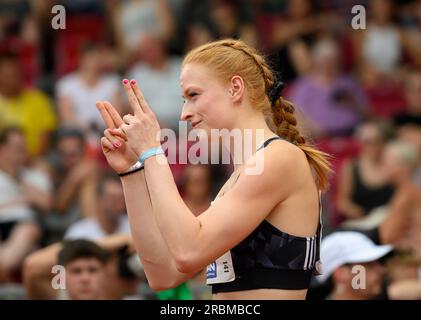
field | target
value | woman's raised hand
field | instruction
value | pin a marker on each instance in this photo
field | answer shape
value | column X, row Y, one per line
column 142, row 128
column 114, row 144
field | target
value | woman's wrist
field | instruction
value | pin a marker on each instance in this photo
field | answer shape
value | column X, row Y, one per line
column 132, row 169
column 150, row 153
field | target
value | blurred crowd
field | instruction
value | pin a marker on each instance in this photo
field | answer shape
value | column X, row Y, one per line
column 357, row 95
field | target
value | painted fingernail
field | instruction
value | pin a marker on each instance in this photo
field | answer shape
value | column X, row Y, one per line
column 133, row 82
column 125, row 81
column 117, row 144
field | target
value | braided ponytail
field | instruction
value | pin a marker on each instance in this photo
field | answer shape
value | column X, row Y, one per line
column 285, row 121
column 228, row 57
column 286, row 127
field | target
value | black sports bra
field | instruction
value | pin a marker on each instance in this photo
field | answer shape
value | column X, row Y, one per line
column 267, row 258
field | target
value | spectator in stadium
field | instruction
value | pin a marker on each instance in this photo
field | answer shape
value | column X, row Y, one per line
column 25, row 193
column 84, row 264
column 412, row 86
column 408, row 123
column 77, row 91
column 398, row 222
column 196, row 35
column 382, row 46
column 363, row 184
column 331, row 103
column 292, row 36
column 85, row 275
column 229, row 19
column 409, row 20
column 12, row 15
column 158, row 73
column 109, row 216
column 401, row 223
column 29, row 109
column 74, row 177
column 133, row 19
column 120, row 274
column 351, row 261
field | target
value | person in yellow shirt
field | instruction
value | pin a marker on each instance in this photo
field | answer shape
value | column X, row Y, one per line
column 29, row 109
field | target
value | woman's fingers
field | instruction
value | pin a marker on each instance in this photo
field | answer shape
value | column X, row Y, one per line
column 119, row 133
column 108, row 120
column 107, row 146
column 115, row 141
column 133, row 101
column 118, row 121
column 128, row 119
column 144, row 105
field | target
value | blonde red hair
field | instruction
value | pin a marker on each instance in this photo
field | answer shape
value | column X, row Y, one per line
column 230, row 57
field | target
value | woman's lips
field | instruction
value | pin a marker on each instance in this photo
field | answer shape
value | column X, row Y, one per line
column 194, row 124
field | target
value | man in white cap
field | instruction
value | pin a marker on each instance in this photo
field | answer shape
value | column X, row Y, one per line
column 351, row 260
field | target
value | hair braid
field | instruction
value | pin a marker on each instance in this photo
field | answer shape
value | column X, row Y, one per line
column 283, row 110
column 258, row 60
column 230, row 57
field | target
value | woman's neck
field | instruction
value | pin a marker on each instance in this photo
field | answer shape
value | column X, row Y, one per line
column 249, row 134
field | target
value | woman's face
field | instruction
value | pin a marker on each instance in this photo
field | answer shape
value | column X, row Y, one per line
column 207, row 102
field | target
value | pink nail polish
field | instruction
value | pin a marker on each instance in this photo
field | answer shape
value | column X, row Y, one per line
column 125, row 81
column 133, row 82
column 117, row 144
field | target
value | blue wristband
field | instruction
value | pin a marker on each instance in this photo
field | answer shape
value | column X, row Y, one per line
column 150, row 153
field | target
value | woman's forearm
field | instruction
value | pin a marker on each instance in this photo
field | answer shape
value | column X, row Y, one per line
column 177, row 223
column 157, row 261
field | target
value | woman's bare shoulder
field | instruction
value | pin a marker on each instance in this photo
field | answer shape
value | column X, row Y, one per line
column 287, row 157
column 280, row 161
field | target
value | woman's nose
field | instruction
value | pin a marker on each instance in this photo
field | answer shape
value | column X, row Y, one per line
column 186, row 114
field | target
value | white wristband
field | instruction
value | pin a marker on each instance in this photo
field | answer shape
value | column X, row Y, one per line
column 137, row 165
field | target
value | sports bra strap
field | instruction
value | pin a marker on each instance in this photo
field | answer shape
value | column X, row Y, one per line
column 266, row 143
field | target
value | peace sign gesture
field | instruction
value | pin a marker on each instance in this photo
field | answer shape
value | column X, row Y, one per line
column 142, row 129
column 114, row 142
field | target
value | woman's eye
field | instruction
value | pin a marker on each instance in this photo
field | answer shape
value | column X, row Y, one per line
column 191, row 95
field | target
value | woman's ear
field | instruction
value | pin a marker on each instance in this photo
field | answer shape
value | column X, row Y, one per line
column 236, row 89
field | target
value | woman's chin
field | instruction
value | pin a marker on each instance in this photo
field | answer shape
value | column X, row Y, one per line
column 203, row 134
